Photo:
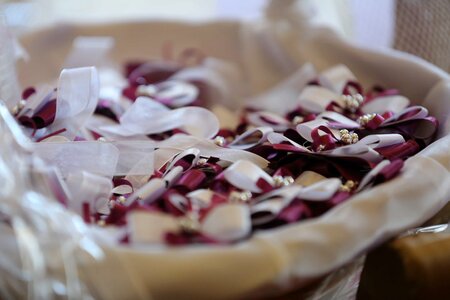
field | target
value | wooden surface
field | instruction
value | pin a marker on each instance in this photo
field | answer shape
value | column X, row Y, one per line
column 411, row 267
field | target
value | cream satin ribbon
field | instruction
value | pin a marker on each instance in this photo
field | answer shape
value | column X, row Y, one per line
column 226, row 222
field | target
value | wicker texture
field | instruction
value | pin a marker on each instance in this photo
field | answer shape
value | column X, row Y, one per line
column 422, row 29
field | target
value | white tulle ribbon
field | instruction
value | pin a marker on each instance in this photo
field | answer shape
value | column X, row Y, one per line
column 90, row 51
column 245, row 175
column 35, row 101
column 173, row 93
column 222, row 80
column 77, row 95
column 194, row 153
column 227, row 222
column 154, row 188
column 139, row 174
column 137, row 160
column 256, row 135
column 91, row 188
column 209, row 149
column 147, row 116
column 92, row 157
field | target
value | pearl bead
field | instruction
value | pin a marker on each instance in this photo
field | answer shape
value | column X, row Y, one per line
column 21, row 104
column 202, row 162
column 358, row 97
column 282, row 181
column 320, row 148
column 101, row 139
column 236, row 196
column 101, row 223
column 288, row 180
column 219, row 140
column 111, row 204
column 122, row 199
column 15, row 110
column 278, row 180
column 297, row 120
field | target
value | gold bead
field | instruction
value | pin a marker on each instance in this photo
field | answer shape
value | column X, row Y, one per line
column 288, row 180
column 202, row 162
column 355, row 138
column 101, row 222
column 350, row 183
column 15, row 110
column 343, row 131
column 278, row 180
column 364, row 119
column 189, row 224
column 348, row 186
column 344, row 188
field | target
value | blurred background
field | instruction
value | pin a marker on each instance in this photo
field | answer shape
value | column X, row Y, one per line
column 420, row 27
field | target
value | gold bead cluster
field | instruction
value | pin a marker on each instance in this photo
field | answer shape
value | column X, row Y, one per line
column 237, row 197
column 348, row 186
column 352, row 102
column 189, row 223
column 219, row 141
column 17, row 108
column 347, row 137
column 364, row 119
column 201, row 162
column 280, row 181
